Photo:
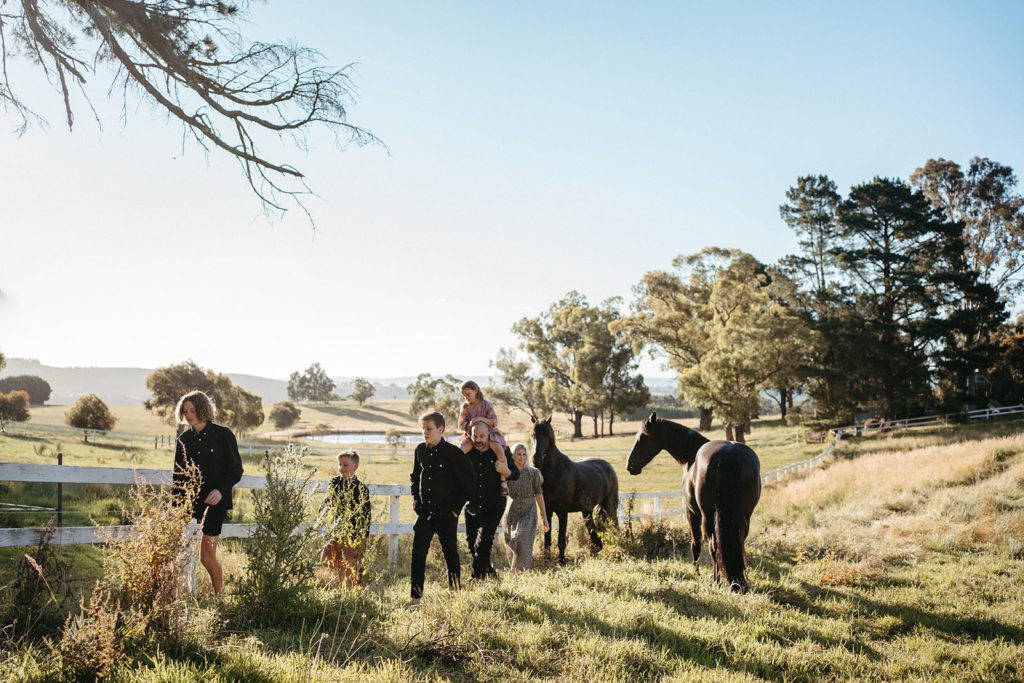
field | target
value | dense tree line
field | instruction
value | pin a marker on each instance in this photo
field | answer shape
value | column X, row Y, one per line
column 895, row 303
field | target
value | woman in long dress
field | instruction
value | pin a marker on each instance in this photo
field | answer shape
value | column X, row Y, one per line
column 525, row 497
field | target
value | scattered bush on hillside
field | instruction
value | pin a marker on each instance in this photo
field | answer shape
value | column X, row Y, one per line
column 38, row 388
column 394, row 438
column 284, row 414
column 362, row 390
column 13, row 408
column 90, row 412
column 282, row 554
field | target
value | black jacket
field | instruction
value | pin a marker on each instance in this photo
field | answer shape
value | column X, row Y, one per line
column 488, row 482
column 215, row 452
column 443, row 479
column 346, row 509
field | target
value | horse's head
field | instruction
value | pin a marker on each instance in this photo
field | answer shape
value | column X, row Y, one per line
column 543, row 441
column 647, row 444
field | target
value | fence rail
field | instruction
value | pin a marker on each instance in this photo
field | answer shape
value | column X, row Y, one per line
column 67, row 474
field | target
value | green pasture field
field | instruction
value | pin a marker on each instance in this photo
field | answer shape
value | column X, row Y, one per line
column 898, row 560
column 85, row 503
column 378, row 415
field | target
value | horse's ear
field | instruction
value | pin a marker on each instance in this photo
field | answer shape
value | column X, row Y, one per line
column 533, row 418
column 653, row 417
column 549, row 419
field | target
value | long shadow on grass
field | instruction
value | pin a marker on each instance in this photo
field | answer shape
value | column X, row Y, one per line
column 711, row 654
column 809, row 598
column 367, row 415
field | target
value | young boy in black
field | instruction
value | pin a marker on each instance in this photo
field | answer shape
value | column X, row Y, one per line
column 346, row 513
column 442, row 481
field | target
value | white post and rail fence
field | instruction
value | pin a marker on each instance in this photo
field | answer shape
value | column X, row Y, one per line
column 392, row 528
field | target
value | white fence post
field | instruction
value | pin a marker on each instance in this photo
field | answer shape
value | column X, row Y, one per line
column 393, row 536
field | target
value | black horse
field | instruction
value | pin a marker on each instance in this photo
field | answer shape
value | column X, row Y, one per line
column 573, row 487
column 721, row 488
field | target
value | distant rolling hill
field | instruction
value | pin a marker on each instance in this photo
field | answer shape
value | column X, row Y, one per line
column 123, row 386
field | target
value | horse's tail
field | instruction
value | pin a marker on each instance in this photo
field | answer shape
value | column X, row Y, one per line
column 610, row 503
column 728, row 519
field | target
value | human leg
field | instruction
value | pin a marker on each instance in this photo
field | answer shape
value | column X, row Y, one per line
column 208, row 558
column 447, row 533
column 422, row 534
column 213, row 524
column 484, row 543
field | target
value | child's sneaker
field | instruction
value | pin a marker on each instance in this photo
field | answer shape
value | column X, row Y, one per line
column 504, row 487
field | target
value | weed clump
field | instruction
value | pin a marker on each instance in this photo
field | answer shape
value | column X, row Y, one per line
column 139, row 603
column 650, row 538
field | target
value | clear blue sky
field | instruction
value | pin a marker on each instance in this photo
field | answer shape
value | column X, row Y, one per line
column 532, row 148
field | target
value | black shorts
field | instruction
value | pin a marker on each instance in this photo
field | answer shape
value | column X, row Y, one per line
column 214, row 522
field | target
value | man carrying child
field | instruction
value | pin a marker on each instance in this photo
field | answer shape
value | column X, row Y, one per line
column 347, row 518
column 487, row 504
column 443, row 480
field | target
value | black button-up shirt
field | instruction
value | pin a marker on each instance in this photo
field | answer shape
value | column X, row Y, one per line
column 442, row 478
column 215, row 452
column 346, row 508
column 487, row 495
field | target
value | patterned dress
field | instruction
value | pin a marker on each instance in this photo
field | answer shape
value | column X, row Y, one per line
column 521, row 518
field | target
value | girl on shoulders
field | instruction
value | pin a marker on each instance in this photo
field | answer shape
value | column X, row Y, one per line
column 478, row 409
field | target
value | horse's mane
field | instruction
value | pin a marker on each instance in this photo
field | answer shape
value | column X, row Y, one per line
column 680, row 441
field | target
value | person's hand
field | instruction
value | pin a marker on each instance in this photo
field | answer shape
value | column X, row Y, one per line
column 502, row 468
column 213, row 498
column 547, row 527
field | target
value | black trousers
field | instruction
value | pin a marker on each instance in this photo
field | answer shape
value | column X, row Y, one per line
column 446, row 526
column 480, row 530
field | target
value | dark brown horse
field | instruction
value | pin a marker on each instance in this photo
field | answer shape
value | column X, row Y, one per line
column 573, row 487
column 721, row 488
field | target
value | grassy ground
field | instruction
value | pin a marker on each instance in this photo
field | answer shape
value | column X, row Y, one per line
column 899, row 560
column 381, row 466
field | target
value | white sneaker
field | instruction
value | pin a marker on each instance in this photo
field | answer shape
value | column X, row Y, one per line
column 414, row 602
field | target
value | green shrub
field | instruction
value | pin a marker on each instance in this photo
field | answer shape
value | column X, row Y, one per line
column 90, row 412
column 282, row 554
column 38, row 389
column 284, row 414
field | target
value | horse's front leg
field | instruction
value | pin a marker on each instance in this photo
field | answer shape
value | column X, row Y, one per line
column 595, row 540
column 547, row 534
column 563, row 530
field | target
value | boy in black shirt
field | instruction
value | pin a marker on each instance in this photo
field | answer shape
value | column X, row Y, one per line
column 442, row 481
column 346, row 511
column 214, row 450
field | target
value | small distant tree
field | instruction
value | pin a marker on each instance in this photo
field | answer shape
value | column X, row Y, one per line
column 312, row 384
column 435, row 393
column 393, row 438
column 90, row 412
column 362, row 390
column 284, row 414
column 13, row 408
column 3, row 361
column 38, row 388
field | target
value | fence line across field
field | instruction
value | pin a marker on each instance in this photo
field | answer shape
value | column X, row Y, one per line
column 68, row 474
column 371, row 449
